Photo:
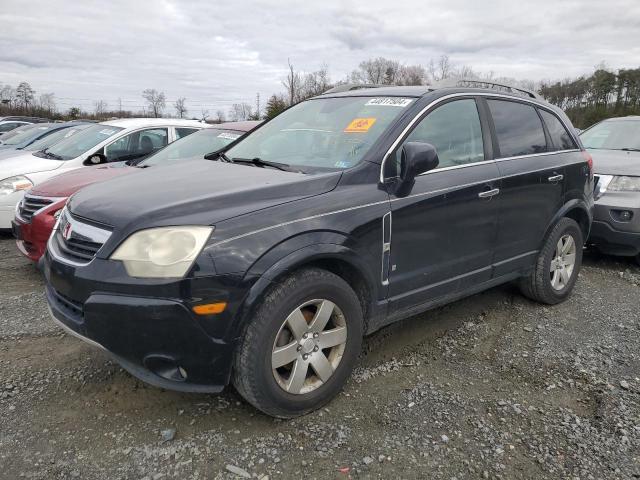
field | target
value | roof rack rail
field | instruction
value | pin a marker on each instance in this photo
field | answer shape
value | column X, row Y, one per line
column 475, row 83
column 347, row 87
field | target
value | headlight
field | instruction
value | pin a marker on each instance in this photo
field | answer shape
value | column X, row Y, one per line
column 14, row 184
column 624, row 184
column 166, row 252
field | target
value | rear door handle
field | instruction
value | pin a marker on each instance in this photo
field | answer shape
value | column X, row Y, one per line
column 556, row 178
column 489, row 193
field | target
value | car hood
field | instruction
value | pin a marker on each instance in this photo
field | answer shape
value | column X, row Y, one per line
column 197, row 192
column 26, row 163
column 615, row 162
column 11, row 152
column 66, row 184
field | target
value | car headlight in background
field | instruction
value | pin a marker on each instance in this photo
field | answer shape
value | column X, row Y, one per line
column 14, row 184
column 165, row 252
column 624, row 184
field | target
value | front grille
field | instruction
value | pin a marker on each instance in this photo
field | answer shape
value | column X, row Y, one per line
column 77, row 241
column 71, row 307
column 30, row 205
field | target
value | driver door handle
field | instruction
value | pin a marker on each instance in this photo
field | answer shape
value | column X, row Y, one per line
column 489, row 193
column 556, row 178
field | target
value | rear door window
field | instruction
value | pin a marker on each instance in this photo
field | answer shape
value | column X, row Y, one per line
column 559, row 136
column 518, row 128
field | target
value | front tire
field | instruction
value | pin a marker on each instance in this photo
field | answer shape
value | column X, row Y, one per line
column 557, row 265
column 300, row 345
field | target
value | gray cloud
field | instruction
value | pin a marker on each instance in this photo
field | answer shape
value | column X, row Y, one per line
column 217, row 53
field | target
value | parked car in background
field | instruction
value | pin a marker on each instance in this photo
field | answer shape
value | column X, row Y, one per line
column 37, row 212
column 345, row 213
column 70, row 129
column 615, row 147
column 112, row 141
column 9, row 123
column 23, row 137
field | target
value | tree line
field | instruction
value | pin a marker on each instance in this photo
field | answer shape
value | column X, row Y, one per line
column 586, row 99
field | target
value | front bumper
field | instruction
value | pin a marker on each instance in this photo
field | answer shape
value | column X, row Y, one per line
column 608, row 233
column 157, row 339
column 8, row 205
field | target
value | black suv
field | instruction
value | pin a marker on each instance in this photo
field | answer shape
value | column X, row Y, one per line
column 267, row 263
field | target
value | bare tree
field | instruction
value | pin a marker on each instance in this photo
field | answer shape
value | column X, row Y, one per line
column 292, row 83
column 156, row 101
column 8, row 96
column 220, row 116
column 240, row 112
column 204, row 114
column 47, row 102
column 180, row 107
column 411, row 75
column 25, row 94
column 315, row 83
column 99, row 108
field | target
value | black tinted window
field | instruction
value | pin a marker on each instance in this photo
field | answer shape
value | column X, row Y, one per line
column 559, row 136
column 518, row 128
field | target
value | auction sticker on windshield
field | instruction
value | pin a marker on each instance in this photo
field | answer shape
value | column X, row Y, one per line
column 360, row 125
column 389, row 102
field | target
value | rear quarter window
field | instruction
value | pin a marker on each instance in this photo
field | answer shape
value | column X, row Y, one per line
column 559, row 136
column 518, row 128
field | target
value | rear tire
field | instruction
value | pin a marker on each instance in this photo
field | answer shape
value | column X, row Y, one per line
column 557, row 265
column 293, row 357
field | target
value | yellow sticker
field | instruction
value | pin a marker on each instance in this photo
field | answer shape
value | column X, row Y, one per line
column 360, row 125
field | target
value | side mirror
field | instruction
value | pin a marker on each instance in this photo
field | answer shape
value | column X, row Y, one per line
column 95, row 159
column 416, row 158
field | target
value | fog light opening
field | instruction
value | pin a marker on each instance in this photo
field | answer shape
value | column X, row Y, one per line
column 166, row 367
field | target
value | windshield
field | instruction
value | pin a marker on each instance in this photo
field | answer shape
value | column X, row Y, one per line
column 81, row 143
column 322, row 134
column 15, row 132
column 613, row 135
column 27, row 135
column 195, row 145
column 55, row 137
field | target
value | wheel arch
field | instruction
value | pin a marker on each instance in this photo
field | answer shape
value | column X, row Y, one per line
column 335, row 258
column 576, row 210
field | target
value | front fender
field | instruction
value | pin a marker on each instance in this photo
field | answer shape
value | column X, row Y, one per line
column 272, row 267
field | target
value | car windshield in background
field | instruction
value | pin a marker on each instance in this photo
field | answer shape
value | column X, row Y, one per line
column 322, row 134
column 55, row 137
column 195, row 145
column 80, row 143
column 613, row 135
column 27, row 134
column 14, row 133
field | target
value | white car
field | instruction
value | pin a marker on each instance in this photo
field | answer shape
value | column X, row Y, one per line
column 113, row 141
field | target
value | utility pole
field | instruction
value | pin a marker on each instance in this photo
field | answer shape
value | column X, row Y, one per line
column 120, row 106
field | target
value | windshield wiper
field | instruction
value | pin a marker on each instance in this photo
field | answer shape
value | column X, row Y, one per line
column 217, row 155
column 52, row 155
column 630, row 149
column 258, row 162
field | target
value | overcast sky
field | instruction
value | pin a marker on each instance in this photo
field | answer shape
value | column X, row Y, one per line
column 216, row 53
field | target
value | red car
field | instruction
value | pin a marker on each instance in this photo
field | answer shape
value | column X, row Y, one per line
column 37, row 213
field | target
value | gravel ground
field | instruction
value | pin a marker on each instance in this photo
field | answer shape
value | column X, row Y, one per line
column 493, row 386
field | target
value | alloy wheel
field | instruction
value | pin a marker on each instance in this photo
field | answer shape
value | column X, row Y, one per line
column 309, row 346
column 563, row 262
